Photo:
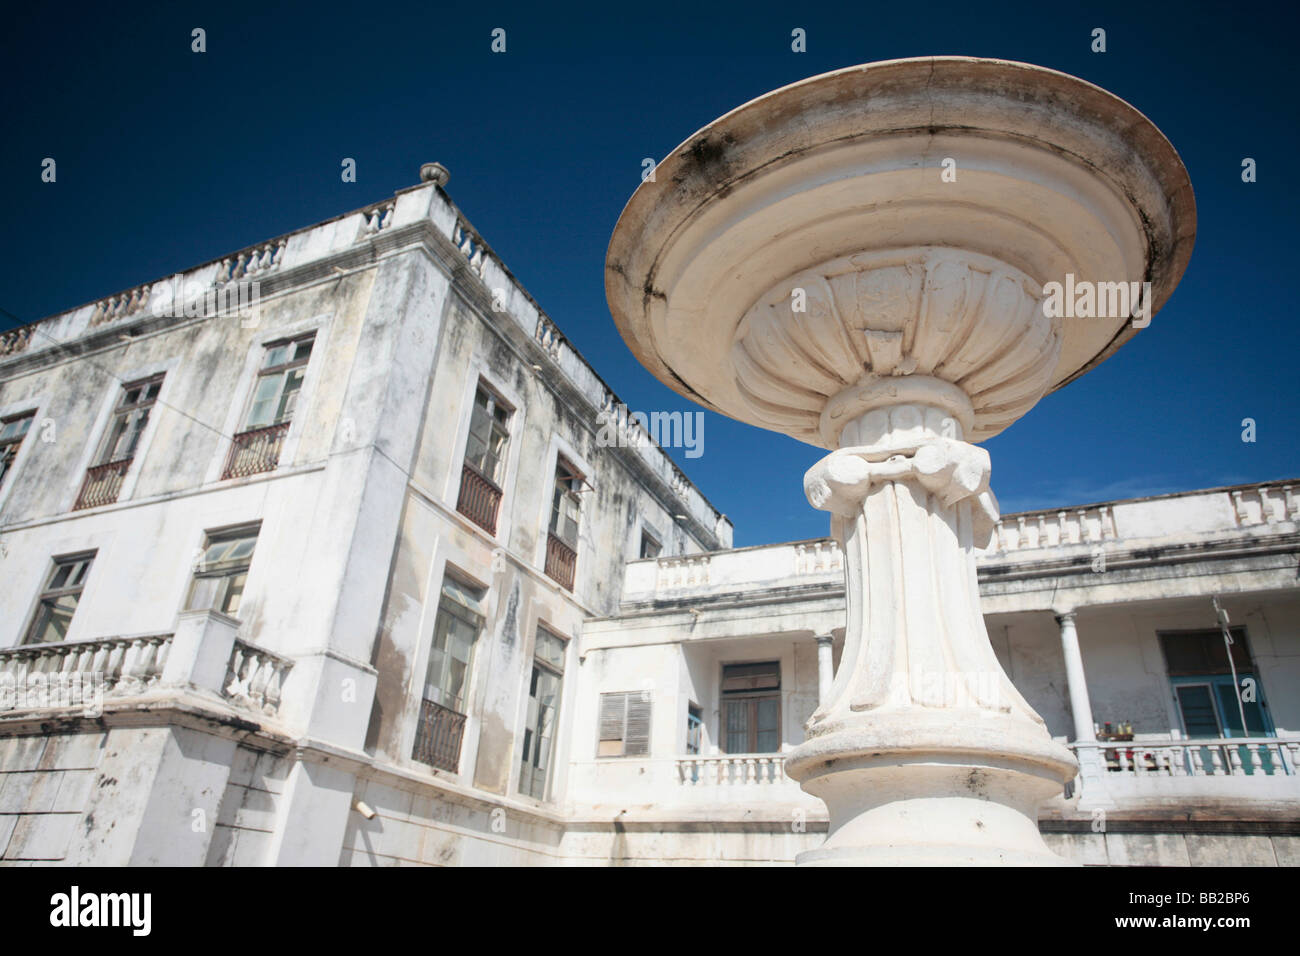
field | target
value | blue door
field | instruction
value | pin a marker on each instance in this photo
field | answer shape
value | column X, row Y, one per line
column 1208, row 707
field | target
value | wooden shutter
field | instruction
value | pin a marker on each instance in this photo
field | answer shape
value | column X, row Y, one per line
column 624, row 724
column 637, row 739
column 612, row 710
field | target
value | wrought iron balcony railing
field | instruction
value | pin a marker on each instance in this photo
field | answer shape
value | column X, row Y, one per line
column 561, row 560
column 255, row 451
column 479, row 500
column 102, row 485
column 438, row 736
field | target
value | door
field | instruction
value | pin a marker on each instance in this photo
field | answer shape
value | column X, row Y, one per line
column 1208, row 707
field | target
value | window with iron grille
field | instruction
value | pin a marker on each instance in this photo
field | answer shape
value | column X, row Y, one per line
column 58, row 601
column 256, row 449
column 222, row 571
column 485, row 454
column 12, row 432
column 442, row 708
column 751, row 708
column 544, row 693
column 105, row 476
column 279, row 382
column 624, row 724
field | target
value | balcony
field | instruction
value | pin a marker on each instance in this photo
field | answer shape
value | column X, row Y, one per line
column 255, row 677
column 253, row 452
column 561, row 560
column 80, row 674
column 733, row 770
column 102, row 485
column 86, row 674
column 713, row 786
column 438, row 735
column 1184, row 772
column 479, row 499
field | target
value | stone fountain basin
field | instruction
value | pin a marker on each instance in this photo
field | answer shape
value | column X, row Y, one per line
column 834, row 186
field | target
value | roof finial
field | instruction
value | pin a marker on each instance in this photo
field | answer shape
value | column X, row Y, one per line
column 435, row 173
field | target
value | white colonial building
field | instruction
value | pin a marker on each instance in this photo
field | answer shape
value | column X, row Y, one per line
column 321, row 554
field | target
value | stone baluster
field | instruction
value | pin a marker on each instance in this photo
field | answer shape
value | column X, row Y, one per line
column 113, row 664
column 1234, row 760
column 1216, row 759
column 274, row 684
column 1239, row 506
column 234, row 682
column 260, row 678
column 1177, row 764
column 1253, row 763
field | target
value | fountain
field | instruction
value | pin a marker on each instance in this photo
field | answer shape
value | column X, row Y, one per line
column 859, row 260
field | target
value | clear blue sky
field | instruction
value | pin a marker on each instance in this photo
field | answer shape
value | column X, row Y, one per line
column 167, row 158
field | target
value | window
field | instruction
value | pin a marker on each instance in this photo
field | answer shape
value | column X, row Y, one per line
column 751, row 708
column 694, row 728
column 488, row 435
column 105, row 476
column 12, row 431
column 1208, row 702
column 222, row 572
column 566, row 506
column 129, row 420
column 279, row 382
column 485, row 453
column 562, row 537
column 58, row 602
column 544, row 692
column 1196, row 653
column 624, row 724
column 256, row 449
column 694, row 736
column 1202, row 683
column 650, row 546
column 442, row 706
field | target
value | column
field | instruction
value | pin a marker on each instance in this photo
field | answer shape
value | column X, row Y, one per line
column 825, row 667
column 1084, row 731
column 1092, row 764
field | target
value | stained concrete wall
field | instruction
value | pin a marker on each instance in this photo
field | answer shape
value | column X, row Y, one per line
column 45, row 787
column 244, row 829
column 434, row 540
column 415, row 824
